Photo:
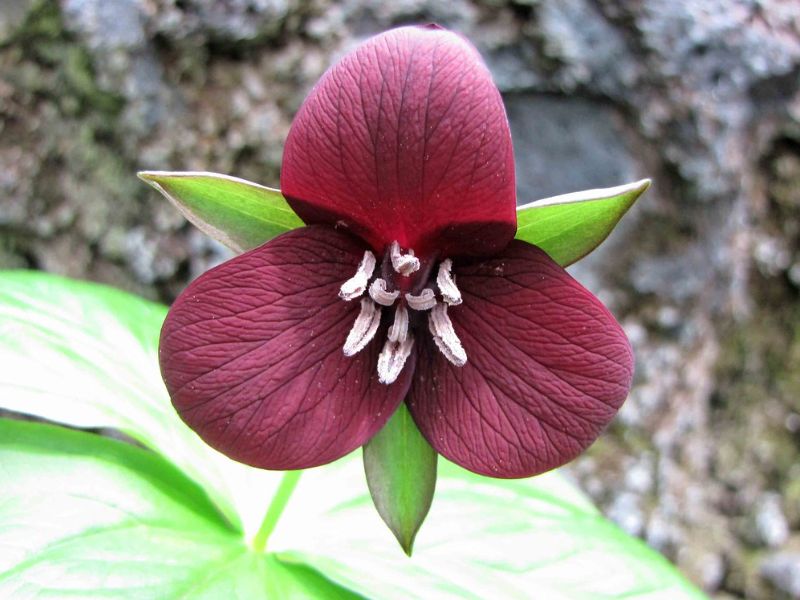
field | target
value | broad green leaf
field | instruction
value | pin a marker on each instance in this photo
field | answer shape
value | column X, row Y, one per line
column 86, row 355
column 400, row 467
column 85, row 516
column 569, row 227
column 483, row 538
column 240, row 214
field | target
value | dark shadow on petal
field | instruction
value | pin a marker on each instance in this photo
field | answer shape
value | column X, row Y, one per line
column 405, row 136
column 548, row 368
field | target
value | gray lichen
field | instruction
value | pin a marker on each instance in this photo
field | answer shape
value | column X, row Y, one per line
column 705, row 273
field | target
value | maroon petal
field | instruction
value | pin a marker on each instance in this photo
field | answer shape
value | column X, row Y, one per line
column 406, row 139
column 548, row 367
column 251, row 353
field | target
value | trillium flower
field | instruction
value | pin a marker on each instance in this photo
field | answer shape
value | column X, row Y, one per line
column 406, row 285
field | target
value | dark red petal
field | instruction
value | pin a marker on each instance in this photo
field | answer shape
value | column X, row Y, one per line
column 406, row 139
column 251, row 353
column 548, row 367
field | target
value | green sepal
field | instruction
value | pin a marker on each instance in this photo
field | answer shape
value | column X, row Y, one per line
column 238, row 213
column 401, row 475
column 569, row 227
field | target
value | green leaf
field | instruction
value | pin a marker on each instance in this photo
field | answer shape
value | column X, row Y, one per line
column 86, row 355
column 483, row 538
column 86, row 516
column 569, row 227
column 401, row 475
column 240, row 214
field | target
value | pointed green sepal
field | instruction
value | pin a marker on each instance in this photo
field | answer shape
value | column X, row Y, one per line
column 401, row 476
column 240, row 214
column 569, row 227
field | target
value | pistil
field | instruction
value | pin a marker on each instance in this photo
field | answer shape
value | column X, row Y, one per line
column 385, row 290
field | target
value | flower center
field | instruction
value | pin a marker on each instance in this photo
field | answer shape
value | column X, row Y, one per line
column 410, row 289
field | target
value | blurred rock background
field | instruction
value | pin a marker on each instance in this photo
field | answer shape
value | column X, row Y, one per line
column 701, row 95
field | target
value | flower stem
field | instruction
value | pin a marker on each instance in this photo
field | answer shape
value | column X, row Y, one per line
column 275, row 510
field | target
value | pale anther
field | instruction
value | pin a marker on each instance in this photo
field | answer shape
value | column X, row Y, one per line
column 425, row 300
column 377, row 291
column 444, row 335
column 364, row 328
column 446, row 283
column 405, row 264
column 393, row 358
column 357, row 284
column 399, row 329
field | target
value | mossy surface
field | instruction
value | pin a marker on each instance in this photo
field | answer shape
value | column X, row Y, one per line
column 703, row 273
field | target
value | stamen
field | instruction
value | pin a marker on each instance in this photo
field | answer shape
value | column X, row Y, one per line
column 377, row 291
column 445, row 337
column 405, row 264
column 393, row 358
column 364, row 328
column 399, row 329
column 425, row 300
column 357, row 284
column 447, row 284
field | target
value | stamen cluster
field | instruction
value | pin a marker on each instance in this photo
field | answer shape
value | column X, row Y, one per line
column 384, row 290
